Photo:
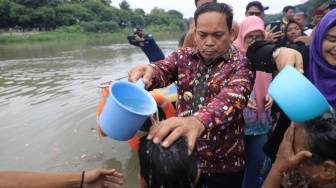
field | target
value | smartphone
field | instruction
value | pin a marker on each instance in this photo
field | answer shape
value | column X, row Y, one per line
column 277, row 24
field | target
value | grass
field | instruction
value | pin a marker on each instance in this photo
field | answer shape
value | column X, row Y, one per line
column 54, row 36
column 51, row 36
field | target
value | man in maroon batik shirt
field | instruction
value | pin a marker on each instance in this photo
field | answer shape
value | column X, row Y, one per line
column 213, row 84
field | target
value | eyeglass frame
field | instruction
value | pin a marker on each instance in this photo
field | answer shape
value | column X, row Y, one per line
column 251, row 38
column 254, row 13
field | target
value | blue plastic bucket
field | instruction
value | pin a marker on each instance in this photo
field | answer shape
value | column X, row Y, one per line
column 297, row 96
column 126, row 109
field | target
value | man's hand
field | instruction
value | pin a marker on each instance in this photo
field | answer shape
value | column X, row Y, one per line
column 173, row 128
column 139, row 38
column 290, row 57
column 141, row 71
column 102, row 178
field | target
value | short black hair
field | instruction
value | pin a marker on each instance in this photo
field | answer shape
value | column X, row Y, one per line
column 301, row 13
column 222, row 8
column 255, row 4
column 199, row 0
column 170, row 167
column 286, row 8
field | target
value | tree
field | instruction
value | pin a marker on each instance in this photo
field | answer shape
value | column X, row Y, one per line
column 5, row 7
column 137, row 20
column 65, row 15
column 124, row 18
column 45, row 17
column 33, row 3
column 124, row 5
column 106, row 2
column 21, row 15
column 176, row 13
column 140, row 11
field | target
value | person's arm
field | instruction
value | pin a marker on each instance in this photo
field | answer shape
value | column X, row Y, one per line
column 231, row 97
column 267, row 57
column 94, row 178
column 139, row 39
column 286, row 160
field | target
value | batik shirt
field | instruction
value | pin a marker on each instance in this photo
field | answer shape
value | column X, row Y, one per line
column 216, row 95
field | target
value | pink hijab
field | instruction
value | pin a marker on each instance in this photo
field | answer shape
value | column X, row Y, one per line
column 263, row 80
column 249, row 24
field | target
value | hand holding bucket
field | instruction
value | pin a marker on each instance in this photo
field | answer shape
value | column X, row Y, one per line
column 126, row 109
column 297, row 96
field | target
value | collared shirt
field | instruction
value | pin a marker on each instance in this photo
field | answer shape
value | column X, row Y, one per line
column 218, row 94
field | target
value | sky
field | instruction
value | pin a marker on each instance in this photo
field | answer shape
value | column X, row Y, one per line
column 187, row 7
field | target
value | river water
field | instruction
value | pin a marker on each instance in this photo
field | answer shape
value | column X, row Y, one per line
column 49, row 99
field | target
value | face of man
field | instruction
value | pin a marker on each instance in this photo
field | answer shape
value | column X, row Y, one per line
column 289, row 14
column 212, row 36
column 300, row 19
column 254, row 11
column 317, row 19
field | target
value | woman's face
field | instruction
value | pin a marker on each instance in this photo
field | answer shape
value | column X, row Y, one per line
column 329, row 46
column 293, row 31
column 251, row 37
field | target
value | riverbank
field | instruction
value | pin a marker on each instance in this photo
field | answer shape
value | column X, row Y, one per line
column 52, row 36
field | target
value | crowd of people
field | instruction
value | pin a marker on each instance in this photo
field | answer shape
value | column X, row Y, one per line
column 220, row 135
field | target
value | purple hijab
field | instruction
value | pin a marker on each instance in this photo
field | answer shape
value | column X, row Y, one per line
column 320, row 72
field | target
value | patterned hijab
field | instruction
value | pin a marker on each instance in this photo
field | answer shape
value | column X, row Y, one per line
column 320, row 72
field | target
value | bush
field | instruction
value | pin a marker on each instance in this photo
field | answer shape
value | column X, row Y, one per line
column 89, row 26
column 107, row 26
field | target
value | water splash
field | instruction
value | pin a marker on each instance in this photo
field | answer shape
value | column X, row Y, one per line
column 154, row 118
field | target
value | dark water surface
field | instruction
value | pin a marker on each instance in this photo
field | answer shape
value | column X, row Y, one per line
column 48, row 105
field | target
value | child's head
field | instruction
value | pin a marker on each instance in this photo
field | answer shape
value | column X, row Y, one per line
column 167, row 167
column 319, row 137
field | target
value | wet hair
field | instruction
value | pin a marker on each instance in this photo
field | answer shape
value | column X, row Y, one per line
column 285, row 38
column 216, row 7
column 196, row 1
column 167, row 167
column 321, row 137
column 287, row 8
column 255, row 4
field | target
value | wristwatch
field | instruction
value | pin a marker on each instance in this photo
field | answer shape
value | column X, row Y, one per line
column 276, row 52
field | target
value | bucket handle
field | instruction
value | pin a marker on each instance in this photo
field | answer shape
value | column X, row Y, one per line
column 140, row 83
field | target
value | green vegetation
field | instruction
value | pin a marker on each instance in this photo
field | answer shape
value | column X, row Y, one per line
column 117, row 36
column 79, row 16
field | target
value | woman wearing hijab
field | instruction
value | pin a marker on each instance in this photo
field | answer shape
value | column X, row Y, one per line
column 257, row 115
column 319, row 61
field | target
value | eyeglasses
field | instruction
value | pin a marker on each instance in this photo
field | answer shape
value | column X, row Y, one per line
column 250, row 38
column 254, row 13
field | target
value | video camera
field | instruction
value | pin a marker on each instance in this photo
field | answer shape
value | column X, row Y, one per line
column 138, row 31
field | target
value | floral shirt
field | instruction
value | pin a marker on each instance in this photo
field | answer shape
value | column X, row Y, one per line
column 216, row 95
